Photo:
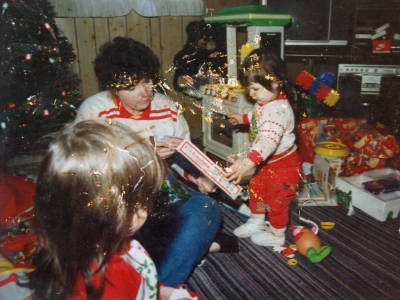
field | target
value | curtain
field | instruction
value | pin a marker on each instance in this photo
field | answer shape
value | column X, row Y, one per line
column 115, row 8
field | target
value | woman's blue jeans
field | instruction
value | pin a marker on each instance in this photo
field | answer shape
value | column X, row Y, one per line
column 199, row 219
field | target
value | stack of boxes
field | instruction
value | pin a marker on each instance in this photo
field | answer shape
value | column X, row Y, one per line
column 381, row 206
column 382, row 37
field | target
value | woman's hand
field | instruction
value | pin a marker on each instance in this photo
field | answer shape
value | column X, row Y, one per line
column 206, row 185
column 238, row 169
column 163, row 150
column 235, row 119
column 165, row 147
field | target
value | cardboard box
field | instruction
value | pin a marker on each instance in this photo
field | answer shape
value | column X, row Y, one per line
column 381, row 186
column 325, row 178
column 382, row 206
column 381, row 28
column 200, row 160
column 378, row 34
column 311, row 195
column 381, row 46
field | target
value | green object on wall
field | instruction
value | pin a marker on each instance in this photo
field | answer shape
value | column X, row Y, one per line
column 251, row 15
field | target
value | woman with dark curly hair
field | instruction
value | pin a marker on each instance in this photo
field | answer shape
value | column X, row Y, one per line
column 125, row 56
column 128, row 72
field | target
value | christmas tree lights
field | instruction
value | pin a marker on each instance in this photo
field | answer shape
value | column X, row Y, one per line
column 38, row 91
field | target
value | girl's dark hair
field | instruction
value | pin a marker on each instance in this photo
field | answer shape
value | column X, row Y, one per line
column 263, row 67
column 92, row 180
column 125, row 57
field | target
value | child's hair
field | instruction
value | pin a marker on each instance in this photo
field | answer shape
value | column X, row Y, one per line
column 263, row 67
column 93, row 179
column 123, row 62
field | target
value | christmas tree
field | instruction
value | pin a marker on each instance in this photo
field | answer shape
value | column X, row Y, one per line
column 38, row 91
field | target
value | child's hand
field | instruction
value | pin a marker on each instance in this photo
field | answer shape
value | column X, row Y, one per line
column 235, row 119
column 238, row 169
column 179, row 293
column 206, row 185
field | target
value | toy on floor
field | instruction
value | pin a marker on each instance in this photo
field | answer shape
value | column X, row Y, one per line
column 319, row 87
column 309, row 244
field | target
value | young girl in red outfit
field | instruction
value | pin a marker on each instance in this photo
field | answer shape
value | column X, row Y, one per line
column 94, row 189
column 272, row 149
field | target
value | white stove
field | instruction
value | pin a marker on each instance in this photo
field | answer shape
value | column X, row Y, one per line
column 370, row 75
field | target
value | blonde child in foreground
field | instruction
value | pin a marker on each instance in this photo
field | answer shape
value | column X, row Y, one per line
column 272, row 149
column 94, row 191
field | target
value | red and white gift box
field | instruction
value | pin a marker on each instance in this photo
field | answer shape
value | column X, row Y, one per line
column 202, row 162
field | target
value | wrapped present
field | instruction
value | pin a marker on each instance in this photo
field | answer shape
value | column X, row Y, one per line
column 341, row 130
column 371, row 145
column 375, row 140
column 307, row 132
column 356, row 164
column 313, row 130
column 17, row 234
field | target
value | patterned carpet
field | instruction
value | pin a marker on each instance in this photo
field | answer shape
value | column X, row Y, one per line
column 364, row 263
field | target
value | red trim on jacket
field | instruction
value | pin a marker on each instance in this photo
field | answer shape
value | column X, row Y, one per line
column 148, row 114
column 122, row 281
column 245, row 119
column 257, row 158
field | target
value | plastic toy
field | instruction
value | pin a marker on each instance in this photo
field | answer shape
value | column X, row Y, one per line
column 327, row 225
column 5, row 265
column 308, row 243
column 292, row 262
column 319, row 87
